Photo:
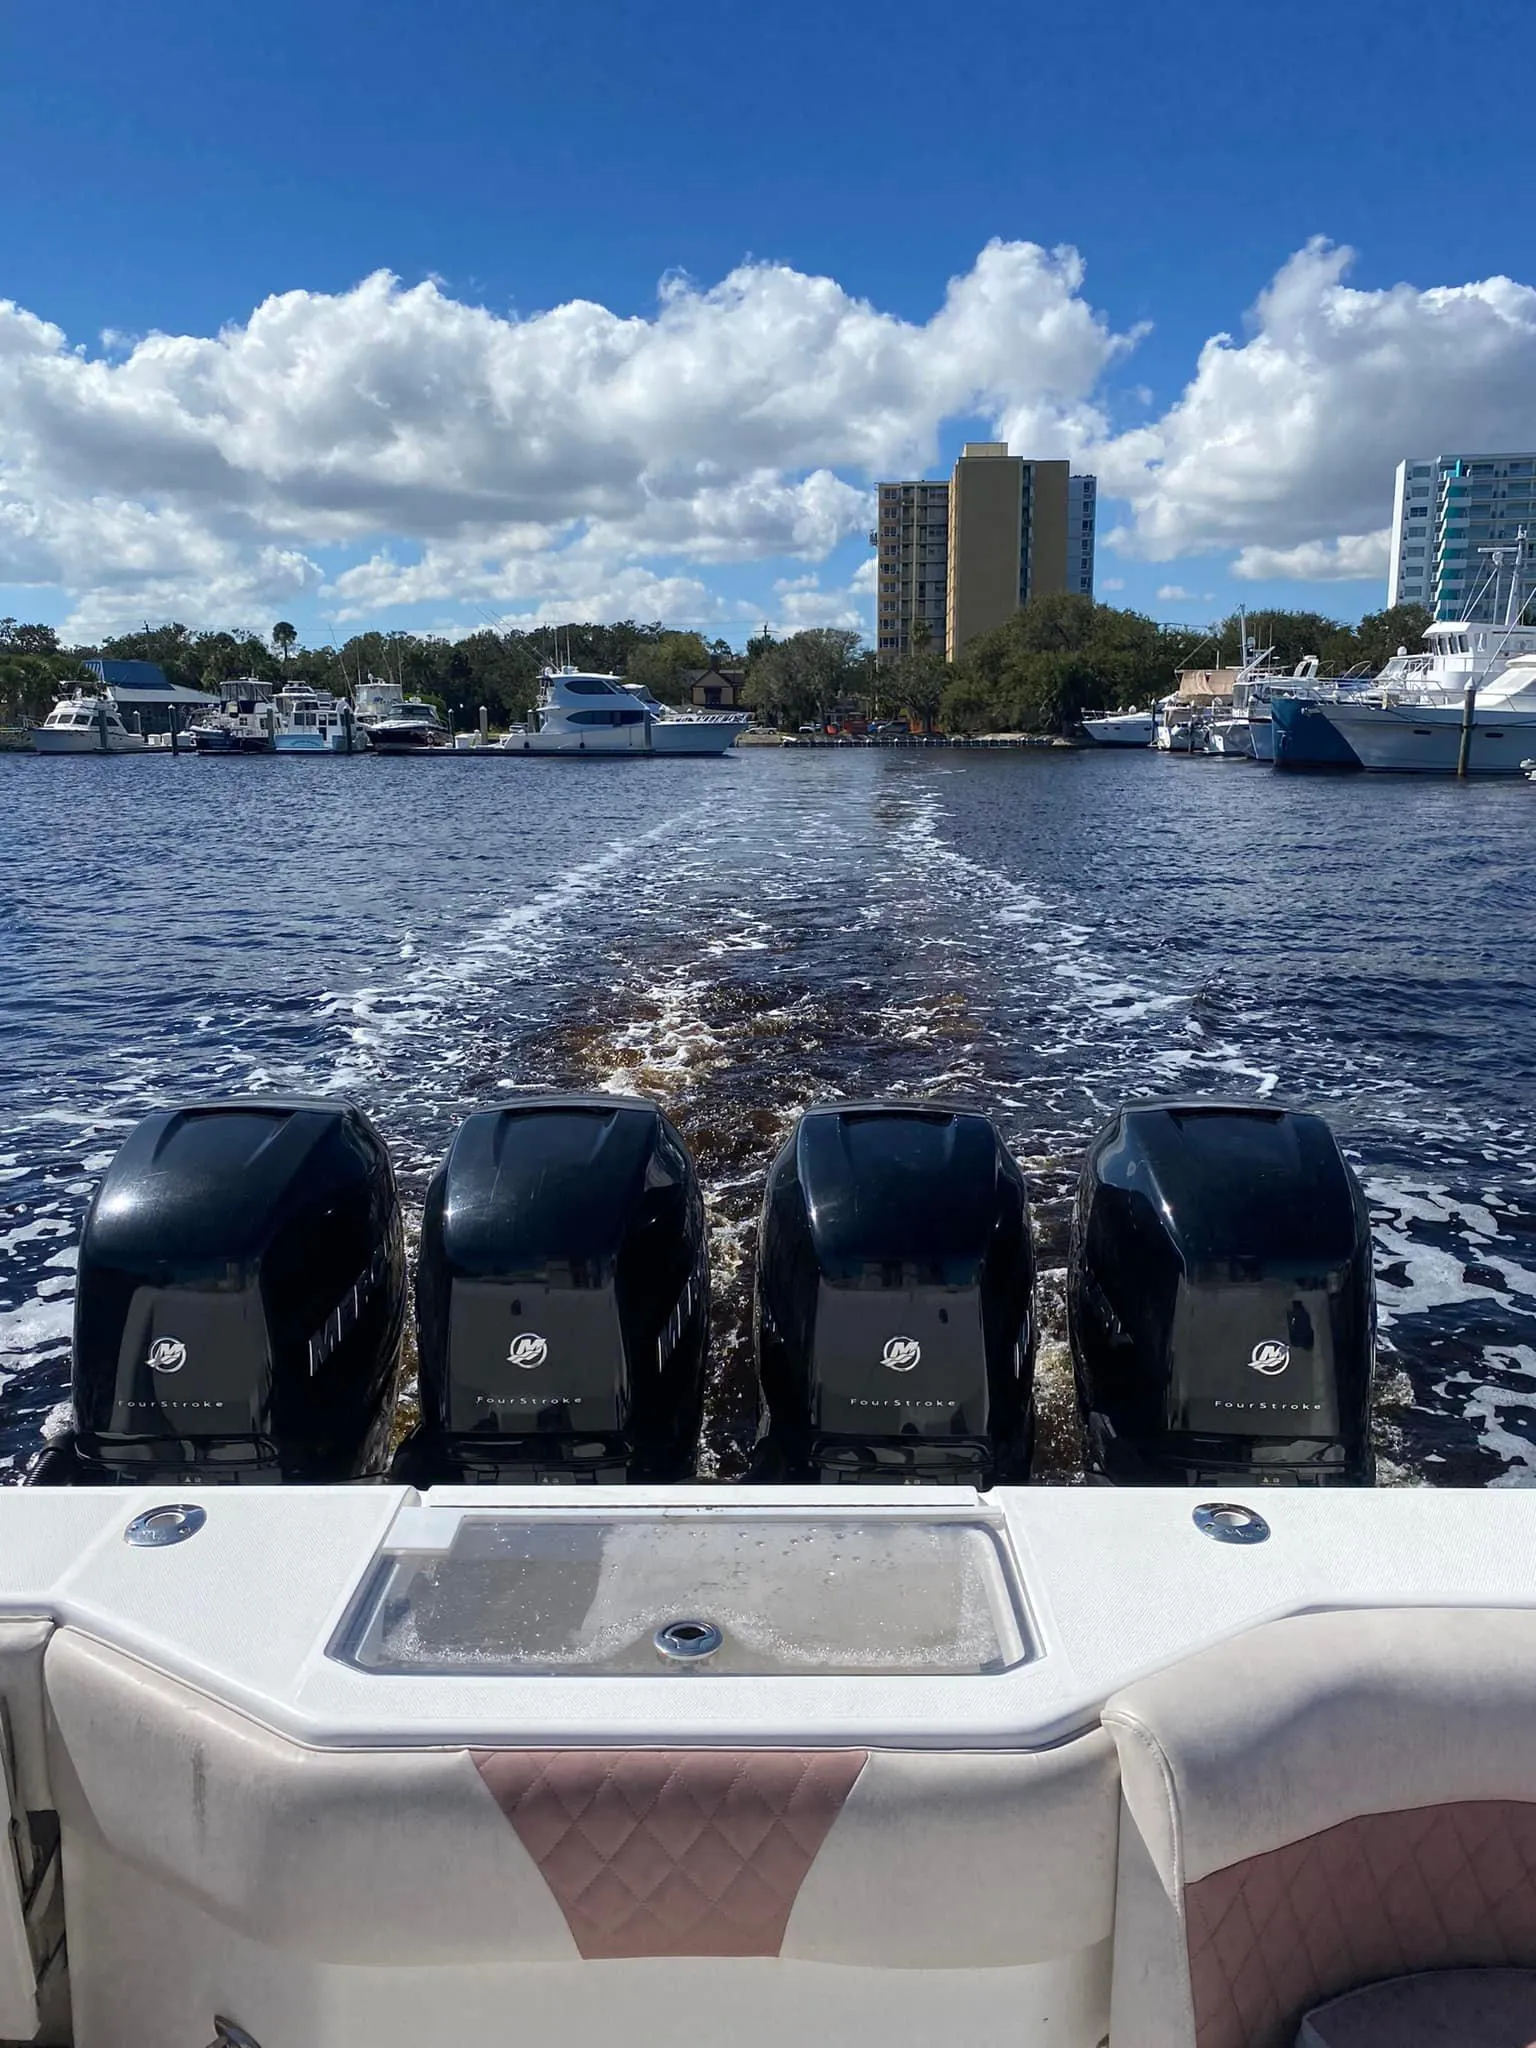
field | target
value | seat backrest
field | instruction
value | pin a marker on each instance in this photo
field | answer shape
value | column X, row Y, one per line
column 22, row 1794
column 993, row 1870
column 1325, row 1802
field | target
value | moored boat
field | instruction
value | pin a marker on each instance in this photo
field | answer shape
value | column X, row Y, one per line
column 1119, row 728
column 245, row 721
column 1182, row 726
column 1490, row 732
column 311, row 721
column 396, row 724
column 81, row 724
column 589, row 714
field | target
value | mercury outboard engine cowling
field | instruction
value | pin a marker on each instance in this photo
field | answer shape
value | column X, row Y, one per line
column 562, row 1298
column 895, row 1299
column 240, row 1300
column 1221, row 1300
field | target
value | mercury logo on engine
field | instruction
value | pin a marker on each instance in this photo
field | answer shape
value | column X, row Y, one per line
column 167, row 1354
column 528, row 1350
column 1270, row 1357
column 901, row 1353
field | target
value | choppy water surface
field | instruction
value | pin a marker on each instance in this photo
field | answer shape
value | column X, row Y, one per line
column 1046, row 935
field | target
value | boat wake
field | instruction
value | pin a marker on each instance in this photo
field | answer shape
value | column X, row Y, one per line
column 827, row 927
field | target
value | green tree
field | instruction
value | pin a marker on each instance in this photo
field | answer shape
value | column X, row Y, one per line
column 662, row 663
column 172, row 647
column 284, row 638
column 1380, row 634
column 1058, row 656
column 916, row 684
column 798, row 680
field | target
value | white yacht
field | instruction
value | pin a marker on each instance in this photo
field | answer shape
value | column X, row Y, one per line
column 1119, row 728
column 580, row 713
column 396, row 724
column 1474, row 674
column 1414, row 732
column 316, row 722
column 85, row 725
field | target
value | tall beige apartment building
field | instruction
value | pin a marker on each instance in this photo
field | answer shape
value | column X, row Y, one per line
column 958, row 558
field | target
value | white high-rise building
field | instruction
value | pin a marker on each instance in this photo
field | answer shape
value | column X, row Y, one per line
column 1448, row 510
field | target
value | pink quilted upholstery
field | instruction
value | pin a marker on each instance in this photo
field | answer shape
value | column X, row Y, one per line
column 672, row 1852
column 1434, row 1888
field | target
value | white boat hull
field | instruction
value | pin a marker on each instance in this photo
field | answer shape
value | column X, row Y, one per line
column 684, row 737
column 695, row 736
column 1421, row 739
column 1128, row 729
column 1232, row 739
column 79, row 741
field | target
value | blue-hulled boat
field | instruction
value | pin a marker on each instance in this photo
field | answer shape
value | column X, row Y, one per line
column 1304, row 738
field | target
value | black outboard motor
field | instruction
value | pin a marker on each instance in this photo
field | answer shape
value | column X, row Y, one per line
column 1221, row 1300
column 895, row 1297
column 562, row 1298
column 240, row 1303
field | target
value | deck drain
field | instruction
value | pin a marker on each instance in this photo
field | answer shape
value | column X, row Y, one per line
column 687, row 1640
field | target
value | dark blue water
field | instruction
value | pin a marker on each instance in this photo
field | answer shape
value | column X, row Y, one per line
column 1047, row 934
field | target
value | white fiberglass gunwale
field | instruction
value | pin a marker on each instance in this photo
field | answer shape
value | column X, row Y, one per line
column 1112, row 1585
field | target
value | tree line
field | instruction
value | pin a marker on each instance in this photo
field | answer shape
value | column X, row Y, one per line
column 1059, row 656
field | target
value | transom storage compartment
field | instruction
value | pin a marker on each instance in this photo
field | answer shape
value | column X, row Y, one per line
column 684, row 1592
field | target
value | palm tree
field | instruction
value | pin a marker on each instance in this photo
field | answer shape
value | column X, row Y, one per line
column 283, row 638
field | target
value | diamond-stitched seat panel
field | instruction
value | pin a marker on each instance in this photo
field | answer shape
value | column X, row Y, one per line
column 1434, row 1888
column 672, row 1852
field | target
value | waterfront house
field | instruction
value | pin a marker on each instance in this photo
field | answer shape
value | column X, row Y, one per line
column 714, row 688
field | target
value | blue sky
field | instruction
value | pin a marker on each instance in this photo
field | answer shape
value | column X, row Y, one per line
column 536, row 435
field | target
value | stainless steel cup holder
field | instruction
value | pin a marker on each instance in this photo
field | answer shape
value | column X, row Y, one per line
column 157, row 1527
column 687, row 1641
column 1227, row 1522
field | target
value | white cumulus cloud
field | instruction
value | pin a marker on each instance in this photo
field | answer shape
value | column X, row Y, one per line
column 1283, row 444
column 457, row 446
column 391, row 445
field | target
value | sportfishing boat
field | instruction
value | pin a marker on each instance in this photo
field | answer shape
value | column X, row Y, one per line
column 1488, row 732
column 308, row 1746
column 1119, row 728
column 397, row 724
column 581, row 714
column 316, row 722
column 81, row 724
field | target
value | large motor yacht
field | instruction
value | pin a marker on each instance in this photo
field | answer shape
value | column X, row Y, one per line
column 1319, row 727
column 1413, row 732
column 80, row 724
column 580, row 714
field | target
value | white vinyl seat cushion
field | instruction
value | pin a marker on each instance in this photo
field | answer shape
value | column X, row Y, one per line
column 1431, row 2009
